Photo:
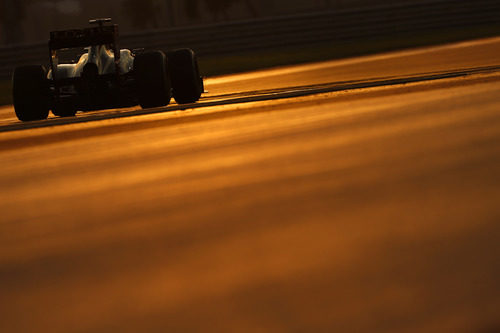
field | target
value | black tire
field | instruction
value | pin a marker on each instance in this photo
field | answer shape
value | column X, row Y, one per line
column 64, row 109
column 187, row 84
column 151, row 76
column 31, row 93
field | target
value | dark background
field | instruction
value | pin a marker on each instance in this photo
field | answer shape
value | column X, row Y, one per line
column 232, row 36
column 25, row 21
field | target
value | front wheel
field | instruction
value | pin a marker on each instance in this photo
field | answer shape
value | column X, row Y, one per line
column 31, row 93
column 152, row 81
column 187, row 84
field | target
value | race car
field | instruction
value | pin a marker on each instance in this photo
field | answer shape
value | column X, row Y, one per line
column 104, row 76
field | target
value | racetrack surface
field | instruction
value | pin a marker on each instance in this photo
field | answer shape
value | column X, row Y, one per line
column 359, row 195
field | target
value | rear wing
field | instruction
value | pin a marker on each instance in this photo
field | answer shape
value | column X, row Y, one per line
column 102, row 35
column 66, row 39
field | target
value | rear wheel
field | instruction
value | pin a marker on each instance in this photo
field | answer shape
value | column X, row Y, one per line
column 151, row 76
column 187, row 84
column 31, row 93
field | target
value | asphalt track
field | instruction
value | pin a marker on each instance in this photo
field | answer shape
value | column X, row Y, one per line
column 359, row 195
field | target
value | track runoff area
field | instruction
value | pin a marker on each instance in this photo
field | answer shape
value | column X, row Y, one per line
column 351, row 195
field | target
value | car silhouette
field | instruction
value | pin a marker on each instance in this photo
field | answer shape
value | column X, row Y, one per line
column 104, row 76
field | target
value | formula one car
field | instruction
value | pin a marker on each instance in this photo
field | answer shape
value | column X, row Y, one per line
column 104, row 76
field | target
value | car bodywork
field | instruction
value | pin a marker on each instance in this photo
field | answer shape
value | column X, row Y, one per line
column 101, row 78
column 104, row 76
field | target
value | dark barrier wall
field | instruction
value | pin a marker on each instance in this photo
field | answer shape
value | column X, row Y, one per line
column 325, row 26
column 26, row 21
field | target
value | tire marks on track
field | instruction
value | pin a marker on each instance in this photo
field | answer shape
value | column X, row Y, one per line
column 258, row 96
